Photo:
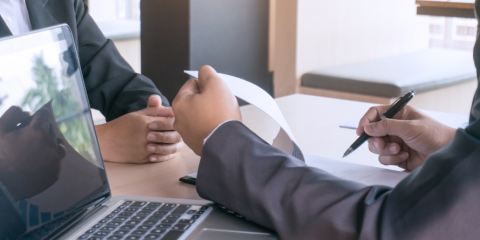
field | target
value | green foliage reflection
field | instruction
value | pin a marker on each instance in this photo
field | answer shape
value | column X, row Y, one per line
column 68, row 112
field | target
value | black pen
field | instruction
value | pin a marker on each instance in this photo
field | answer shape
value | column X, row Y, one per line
column 394, row 109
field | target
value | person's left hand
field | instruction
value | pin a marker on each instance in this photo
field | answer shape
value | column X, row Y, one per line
column 201, row 105
column 140, row 137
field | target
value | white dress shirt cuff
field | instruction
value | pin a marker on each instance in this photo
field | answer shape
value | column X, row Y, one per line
column 205, row 140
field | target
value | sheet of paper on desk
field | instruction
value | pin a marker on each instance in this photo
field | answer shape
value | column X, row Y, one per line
column 192, row 175
column 453, row 120
column 367, row 175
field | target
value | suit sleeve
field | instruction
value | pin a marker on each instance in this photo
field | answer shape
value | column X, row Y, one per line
column 112, row 85
column 242, row 172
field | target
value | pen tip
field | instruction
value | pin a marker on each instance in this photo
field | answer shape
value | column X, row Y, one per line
column 349, row 150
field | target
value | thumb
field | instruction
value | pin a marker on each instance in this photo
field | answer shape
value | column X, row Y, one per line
column 155, row 108
column 392, row 127
column 207, row 76
column 154, row 101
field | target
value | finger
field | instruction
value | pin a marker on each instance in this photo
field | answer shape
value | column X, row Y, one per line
column 390, row 127
column 375, row 144
column 393, row 159
column 189, row 88
column 180, row 103
column 380, row 147
column 162, row 124
column 164, row 137
column 164, row 149
column 372, row 115
column 154, row 101
column 158, row 111
column 405, row 165
column 161, row 158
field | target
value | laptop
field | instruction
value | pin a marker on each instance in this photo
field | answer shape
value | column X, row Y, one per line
column 53, row 183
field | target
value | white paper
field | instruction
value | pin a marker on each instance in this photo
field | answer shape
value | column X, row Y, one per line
column 367, row 175
column 192, row 175
column 453, row 120
column 256, row 96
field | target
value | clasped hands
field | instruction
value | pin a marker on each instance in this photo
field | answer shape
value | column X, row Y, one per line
column 140, row 137
column 149, row 135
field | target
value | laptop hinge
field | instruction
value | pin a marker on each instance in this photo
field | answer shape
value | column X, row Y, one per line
column 90, row 211
column 102, row 201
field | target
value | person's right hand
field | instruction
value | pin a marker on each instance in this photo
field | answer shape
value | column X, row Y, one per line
column 407, row 139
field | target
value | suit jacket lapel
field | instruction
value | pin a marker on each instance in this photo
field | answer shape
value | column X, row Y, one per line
column 4, row 30
column 40, row 17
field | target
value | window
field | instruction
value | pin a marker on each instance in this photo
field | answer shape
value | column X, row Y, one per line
column 128, row 9
column 453, row 33
column 110, row 10
column 437, row 27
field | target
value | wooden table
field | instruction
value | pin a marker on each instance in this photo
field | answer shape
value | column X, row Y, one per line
column 314, row 121
column 447, row 8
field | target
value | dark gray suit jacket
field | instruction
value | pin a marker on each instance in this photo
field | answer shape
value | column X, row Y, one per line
column 112, row 85
column 440, row 200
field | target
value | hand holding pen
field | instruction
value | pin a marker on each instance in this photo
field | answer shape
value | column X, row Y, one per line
column 405, row 140
column 394, row 109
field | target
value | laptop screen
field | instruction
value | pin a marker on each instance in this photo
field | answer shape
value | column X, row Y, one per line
column 50, row 162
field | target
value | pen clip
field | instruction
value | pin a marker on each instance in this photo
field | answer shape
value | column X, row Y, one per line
column 398, row 99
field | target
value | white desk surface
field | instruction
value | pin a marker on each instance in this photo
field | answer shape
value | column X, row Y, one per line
column 314, row 121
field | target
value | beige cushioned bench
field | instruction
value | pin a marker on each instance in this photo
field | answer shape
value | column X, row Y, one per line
column 425, row 71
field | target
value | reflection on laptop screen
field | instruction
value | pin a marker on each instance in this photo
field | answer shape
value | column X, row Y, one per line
column 50, row 164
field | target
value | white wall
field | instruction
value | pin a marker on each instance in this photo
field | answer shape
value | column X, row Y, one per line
column 106, row 11
column 331, row 33
column 103, row 10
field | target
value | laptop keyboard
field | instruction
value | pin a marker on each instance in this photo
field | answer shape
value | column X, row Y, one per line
column 147, row 220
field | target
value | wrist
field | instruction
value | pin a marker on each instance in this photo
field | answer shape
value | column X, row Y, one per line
column 446, row 137
column 450, row 134
column 104, row 141
column 211, row 132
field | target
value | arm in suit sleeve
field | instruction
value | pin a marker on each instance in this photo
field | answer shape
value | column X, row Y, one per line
column 277, row 191
column 112, row 85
